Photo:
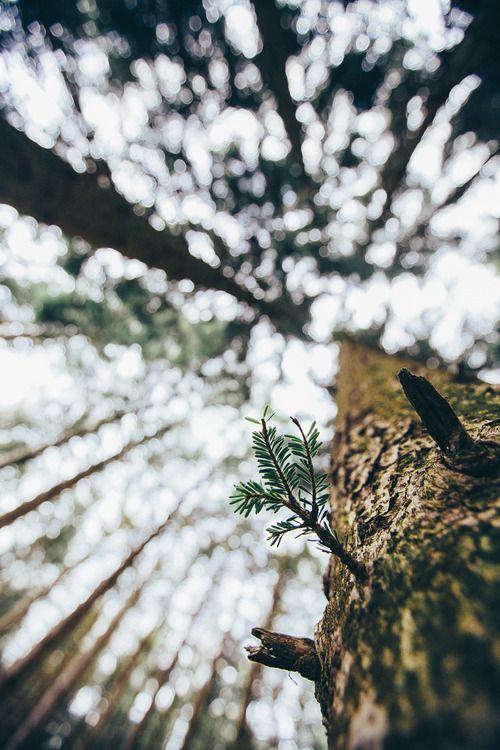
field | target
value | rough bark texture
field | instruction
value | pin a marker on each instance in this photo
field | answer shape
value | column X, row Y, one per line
column 410, row 659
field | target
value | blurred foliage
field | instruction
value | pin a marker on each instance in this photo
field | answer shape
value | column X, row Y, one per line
column 357, row 60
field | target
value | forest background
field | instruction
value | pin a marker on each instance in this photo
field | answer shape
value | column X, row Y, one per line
column 198, row 200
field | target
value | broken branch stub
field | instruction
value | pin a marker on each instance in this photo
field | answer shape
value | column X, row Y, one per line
column 461, row 453
column 285, row 652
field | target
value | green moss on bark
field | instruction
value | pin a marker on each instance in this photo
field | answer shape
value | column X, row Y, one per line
column 412, row 658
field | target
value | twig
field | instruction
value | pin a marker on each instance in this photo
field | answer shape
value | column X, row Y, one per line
column 314, row 504
column 327, row 539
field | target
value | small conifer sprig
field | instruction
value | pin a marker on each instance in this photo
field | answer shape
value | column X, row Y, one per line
column 288, row 481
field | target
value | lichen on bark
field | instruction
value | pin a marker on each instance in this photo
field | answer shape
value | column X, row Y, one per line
column 411, row 658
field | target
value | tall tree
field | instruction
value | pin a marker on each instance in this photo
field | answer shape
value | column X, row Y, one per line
column 405, row 655
column 23, row 508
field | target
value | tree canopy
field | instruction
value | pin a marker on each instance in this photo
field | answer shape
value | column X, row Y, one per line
column 267, row 151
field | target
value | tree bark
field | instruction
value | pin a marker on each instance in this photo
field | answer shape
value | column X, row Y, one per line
column 410, row 658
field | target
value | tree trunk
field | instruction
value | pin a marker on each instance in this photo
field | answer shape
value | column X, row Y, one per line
column 410, row 656
column 161, row 675
column 66, row 680
column 14, row 615
column 243, row 739
column 115, row 693
column 22, row 454
column 21, row 510
column 46, row 187
column 200, row 703
column 16, row 670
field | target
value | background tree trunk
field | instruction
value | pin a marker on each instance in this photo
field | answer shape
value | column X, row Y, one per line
column 410, row 658
column 44, row 186
column 22, row 454
column 21, row 510
column 244, row 735
column 65, row 680
column 16, row 670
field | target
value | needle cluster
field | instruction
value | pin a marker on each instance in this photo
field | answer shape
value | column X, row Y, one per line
column 288, row 481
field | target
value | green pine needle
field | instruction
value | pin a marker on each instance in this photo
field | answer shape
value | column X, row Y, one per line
column 287, row 481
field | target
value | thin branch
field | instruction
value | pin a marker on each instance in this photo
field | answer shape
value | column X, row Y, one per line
column 314, row 504
column 327, row 539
